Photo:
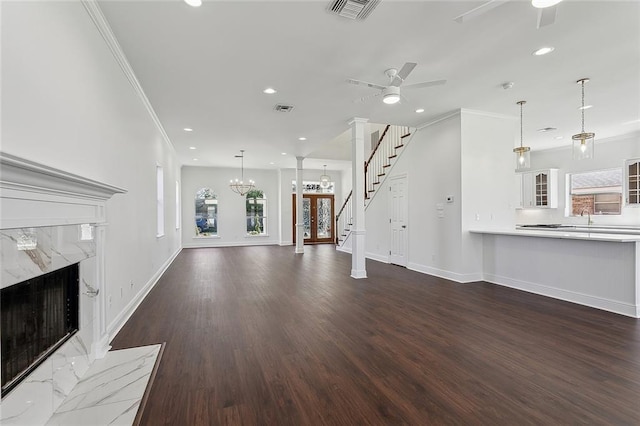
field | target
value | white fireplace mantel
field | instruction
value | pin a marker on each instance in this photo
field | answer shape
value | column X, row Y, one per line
column 34, row 195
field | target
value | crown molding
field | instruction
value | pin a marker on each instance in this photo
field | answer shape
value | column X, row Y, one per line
column 101, row 23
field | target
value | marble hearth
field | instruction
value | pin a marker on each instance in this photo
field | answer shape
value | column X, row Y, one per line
column 50, row 219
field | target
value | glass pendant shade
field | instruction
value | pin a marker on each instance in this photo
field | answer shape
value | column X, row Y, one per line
column 523, row 153
column 325, row 179
column 583, row 146
column 523, row 157
column 583, row 141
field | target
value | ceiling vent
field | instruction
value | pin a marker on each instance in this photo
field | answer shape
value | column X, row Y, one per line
column 283, row 108
column 352, row 9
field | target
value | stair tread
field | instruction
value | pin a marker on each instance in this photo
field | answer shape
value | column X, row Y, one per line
column 399, row 146
column 393, row 156
column 381, row 174
column 386, row 165
column 405, row 136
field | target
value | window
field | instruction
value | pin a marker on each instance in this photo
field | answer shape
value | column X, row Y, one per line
column 206, row 213
column 597, row 193
column 178, row 215
column 160, row 202
column 632, row 170
column 256, row 212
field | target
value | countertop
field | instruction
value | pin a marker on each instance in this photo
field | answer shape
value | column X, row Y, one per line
column 559, row 233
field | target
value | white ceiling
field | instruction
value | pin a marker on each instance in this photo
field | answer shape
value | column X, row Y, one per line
column 205, row 68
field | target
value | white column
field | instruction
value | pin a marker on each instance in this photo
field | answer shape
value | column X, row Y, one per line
column 100, row 345
column 358, row 265
column 299, row 212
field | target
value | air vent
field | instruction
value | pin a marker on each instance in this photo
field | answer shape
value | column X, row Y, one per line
column 283, row 108
column 352, row 9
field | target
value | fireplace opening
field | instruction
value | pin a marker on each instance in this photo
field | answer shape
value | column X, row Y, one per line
column 38, row 316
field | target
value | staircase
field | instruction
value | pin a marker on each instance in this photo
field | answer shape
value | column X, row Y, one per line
column 376, row 168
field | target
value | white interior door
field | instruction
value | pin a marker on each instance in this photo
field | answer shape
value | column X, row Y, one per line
column 398, row 206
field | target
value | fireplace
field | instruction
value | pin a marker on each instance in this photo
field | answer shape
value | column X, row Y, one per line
column 38, row 316
column 50, row 220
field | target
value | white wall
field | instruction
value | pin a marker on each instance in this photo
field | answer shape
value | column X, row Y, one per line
column 608, row 154
column 466, row 155
column 488, row 198
column 67, row 104
column 231, row 213
column 232, row 224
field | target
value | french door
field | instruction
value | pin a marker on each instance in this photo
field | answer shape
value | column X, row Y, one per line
column 318, row 218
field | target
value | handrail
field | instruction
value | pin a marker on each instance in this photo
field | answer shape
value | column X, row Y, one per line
column 346, row 200
column 341, row 226
column 366, row 164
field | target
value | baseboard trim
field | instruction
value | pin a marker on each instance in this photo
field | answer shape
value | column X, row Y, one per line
column 449, row 275
column 566, row 295
column 234, row 244
column 122, row 318
column 377, row 257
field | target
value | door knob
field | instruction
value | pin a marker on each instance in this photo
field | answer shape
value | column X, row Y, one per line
column 404, row 226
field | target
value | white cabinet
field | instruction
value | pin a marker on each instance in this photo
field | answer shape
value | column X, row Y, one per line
column 538, row 189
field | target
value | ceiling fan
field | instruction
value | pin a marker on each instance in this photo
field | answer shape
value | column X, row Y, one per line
column 547, row 10
column 391, row 93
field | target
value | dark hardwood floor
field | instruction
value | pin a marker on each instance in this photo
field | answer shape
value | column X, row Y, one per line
column 259, row 335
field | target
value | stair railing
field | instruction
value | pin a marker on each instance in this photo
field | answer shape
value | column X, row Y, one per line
column 344, row 219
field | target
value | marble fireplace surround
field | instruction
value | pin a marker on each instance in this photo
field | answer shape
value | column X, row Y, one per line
column 41, row 211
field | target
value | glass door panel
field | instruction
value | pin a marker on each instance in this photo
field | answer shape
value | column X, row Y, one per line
column 324, row 216
column 306, row 216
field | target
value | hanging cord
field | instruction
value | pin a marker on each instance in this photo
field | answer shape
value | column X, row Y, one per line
column 582, row 106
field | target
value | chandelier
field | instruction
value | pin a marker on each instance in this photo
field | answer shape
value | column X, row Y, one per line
column 523, row 153
column 238, row 186
column 583, row 142
column 325, row 179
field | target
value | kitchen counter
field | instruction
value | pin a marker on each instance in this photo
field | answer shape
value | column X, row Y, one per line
column 597, row 269
column 564, row 233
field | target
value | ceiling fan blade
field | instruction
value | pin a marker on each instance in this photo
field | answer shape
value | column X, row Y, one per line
column 403, row 73
column 366, row 98
column 477, row 11
column 364, row 83
column 547, row 16
column 425, row 84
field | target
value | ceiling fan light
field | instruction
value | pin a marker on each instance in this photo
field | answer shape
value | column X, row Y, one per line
column 541, row 4
column 391, row 99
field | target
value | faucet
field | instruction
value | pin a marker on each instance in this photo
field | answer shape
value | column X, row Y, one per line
column 589, row 221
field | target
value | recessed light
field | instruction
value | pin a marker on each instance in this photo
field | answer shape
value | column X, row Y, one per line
column 302, row 138
column 544, row 50
column 188, row 129
column 420, row 110
column 283, row 153
column 269, row 91
column 585, row 107
column 192, row 147
column 558, row 137
column 547, row 129
column 195, row 159
column 272, row 163
column 194, row 3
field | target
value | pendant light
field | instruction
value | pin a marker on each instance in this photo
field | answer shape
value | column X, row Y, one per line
column 325, row 179
column 238, row 186
column 523, row 153
column 583, row 142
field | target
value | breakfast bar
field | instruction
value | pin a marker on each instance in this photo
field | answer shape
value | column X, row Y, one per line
column 597, row 269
